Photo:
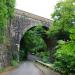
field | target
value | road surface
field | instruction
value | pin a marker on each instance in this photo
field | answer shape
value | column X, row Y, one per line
column 30, row 68
column 27, row 68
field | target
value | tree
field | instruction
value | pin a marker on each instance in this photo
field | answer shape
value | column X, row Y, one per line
column 63, row 17
column 10, row 4
column 64, row 22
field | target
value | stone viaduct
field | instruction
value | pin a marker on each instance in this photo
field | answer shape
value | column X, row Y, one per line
column 21, row 22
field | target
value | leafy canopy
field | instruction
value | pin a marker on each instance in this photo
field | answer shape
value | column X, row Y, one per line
column 63, row 17
column 64, row 21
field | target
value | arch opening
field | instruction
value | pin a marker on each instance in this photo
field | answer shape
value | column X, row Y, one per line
column 33, row 42
column 23, row 53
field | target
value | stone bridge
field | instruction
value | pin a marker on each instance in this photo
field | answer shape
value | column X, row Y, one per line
column 21, row 22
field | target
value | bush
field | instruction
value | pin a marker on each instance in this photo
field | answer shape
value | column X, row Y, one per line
column 44, row 56
column 65, row 58
column 1, row 70
column 14, row 63
column 23, row 55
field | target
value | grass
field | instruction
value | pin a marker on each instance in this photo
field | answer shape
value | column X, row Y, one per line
column 14, row 63
column 12, row 66
column 2, row 70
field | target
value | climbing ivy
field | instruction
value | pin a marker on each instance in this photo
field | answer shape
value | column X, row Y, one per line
column 10, row 7
column 6, row 12
column 3, row 19
column 63, row 17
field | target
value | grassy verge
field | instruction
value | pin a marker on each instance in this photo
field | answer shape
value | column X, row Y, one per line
column 1, row 70
column 14, row 63
column 12, row 66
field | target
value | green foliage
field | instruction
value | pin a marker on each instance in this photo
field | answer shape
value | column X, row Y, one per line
column 65, row 58
column 6, row 11
column 1, row 70
column 63, row 17
column 23, row 54
column 3, row 19
column 10, row 8
column 64, row 22
column 14, row 63
column 33, row 40
column 72, row 33
column 44, row 56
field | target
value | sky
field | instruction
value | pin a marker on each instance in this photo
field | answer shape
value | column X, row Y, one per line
column 42, row 8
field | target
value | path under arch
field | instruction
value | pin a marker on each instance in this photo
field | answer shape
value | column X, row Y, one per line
column 29, row 68
column 26, row 68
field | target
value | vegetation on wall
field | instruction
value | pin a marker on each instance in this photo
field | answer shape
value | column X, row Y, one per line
column 10, row 7
column 65, row 58
column 6, row 12
column 63, row 18
column 3, row 19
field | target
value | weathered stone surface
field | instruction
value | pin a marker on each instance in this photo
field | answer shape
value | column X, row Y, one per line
column 21, row 22
column 4, row 56
column 0, row 65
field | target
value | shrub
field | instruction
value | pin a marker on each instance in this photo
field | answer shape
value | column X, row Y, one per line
column 14, row 63
column 65, row 58
column 1, row 70
column 44, row 56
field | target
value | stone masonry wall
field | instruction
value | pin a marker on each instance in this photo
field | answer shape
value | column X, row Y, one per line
column 21, row 22
column 4, row 56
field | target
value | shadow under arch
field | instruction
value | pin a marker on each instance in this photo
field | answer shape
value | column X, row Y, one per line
column 22, row 51
column 22, row 44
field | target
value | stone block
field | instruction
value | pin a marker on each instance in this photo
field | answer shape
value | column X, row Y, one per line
column 0, row 65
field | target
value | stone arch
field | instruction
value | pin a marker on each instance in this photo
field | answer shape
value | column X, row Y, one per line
column 22, row 22
column 27, row 28
column 22, row 37
column 19, row 26
column 21, row 44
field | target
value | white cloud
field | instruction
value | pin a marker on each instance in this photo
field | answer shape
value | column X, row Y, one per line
column 42, row 8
